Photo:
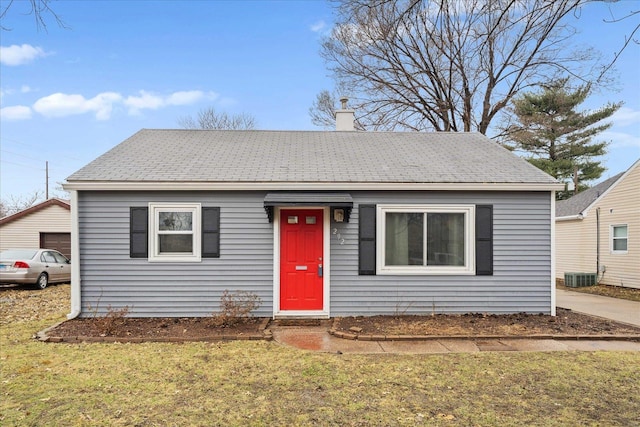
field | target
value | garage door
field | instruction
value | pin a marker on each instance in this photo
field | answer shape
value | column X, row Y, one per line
column 58, row 241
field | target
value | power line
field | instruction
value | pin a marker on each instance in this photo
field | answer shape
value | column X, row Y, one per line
column 21, row 165
column 37, row 148
column 21, row 155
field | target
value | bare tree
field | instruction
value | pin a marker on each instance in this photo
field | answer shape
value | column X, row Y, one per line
column 16, row 204
column 209, row 118
column 614, row 18
column 323, row 111
column 40, row 9
column 448, row 65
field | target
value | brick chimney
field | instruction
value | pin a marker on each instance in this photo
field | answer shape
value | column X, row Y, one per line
column 344, row 117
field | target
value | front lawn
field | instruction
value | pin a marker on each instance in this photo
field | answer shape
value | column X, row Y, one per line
column 262, row 383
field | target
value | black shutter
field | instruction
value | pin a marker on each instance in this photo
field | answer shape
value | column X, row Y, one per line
column 138, row 234
column 484, row 240
column 367, row 240
column 211, row 232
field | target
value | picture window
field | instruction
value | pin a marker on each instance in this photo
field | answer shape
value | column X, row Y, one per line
column 424, row 239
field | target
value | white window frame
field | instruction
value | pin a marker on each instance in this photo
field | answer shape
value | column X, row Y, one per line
column 469, row 212
column 612, row 237
column 154, row 241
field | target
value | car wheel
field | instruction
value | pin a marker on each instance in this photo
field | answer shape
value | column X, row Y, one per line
column 43, row 281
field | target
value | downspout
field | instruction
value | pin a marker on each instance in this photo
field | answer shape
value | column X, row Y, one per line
column 75, row 263
column 597, row 245
column 553, row 252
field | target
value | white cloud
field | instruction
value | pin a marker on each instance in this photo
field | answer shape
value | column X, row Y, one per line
column 25, row 89
column 144, row 101
column 62, row 105
column 625, row 116
column 149, row 101
column 620, row 139
column 18, row 55
column 185, row 97
column 14, row 113
column 102, row 105
column 318, row 26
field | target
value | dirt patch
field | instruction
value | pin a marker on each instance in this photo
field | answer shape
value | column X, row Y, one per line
column 566, row 322
column 155, row 329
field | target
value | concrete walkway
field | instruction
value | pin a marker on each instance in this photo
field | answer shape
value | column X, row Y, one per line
column 317, row 338
column 616, row 309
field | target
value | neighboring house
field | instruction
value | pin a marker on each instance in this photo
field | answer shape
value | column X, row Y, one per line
column 598, row 230
column 45, row 225
column 317, row 224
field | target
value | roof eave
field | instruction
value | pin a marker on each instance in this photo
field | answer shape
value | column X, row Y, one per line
column 305, row 186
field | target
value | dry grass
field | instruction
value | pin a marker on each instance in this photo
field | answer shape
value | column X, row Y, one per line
column 630, row 294
column 261, row 383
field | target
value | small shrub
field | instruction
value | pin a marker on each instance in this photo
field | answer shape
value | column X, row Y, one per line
column 114, row 318
column 234, row 307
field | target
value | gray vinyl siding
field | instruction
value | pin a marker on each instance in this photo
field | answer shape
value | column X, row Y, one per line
column 522, row 262
column 109, row 277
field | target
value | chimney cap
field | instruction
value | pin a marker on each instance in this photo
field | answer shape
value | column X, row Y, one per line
column 343, row 101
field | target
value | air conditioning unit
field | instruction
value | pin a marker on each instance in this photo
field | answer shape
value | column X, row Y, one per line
column 578, row 280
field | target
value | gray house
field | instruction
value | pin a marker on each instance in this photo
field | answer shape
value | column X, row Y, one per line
column 317, row 224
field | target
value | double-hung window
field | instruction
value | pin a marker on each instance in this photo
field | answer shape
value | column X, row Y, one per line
column 174, row 232
column 619, row 238
column 425, row 239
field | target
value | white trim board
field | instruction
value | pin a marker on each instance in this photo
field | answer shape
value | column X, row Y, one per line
column 337, row 186
column 326, row 258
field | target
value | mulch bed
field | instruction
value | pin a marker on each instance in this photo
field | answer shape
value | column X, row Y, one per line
column 130, row 329
column 124, row 329
column 565, row 323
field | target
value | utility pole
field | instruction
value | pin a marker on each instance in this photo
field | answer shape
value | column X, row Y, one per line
column 46, row 185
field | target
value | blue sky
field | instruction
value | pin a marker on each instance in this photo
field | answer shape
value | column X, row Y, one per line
column 69, row 95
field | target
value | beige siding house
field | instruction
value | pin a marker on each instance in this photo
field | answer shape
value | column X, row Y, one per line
column 45, row 225
column 598, row 230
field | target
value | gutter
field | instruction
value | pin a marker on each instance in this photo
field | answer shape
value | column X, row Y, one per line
column 570, row 217
column 75, row 264
column 304, row 186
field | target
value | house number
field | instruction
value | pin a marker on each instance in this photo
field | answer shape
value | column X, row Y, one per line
column 338, row 236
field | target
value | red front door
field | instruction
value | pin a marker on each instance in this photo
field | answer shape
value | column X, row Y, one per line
column 301, row 259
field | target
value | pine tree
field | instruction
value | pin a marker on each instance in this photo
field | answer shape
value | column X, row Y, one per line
column 557, row 138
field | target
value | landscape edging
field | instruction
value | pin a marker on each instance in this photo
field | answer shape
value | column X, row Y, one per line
column 376, row 337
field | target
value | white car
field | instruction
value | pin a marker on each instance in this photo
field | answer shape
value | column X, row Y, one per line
column 37, row 267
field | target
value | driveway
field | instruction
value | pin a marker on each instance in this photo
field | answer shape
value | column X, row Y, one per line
column 616, row 309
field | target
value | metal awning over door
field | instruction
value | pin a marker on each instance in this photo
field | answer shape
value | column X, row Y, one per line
column 288, row 199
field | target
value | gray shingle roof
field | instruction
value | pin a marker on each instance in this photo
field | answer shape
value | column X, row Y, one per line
column 581, row 201
column 309, row 156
